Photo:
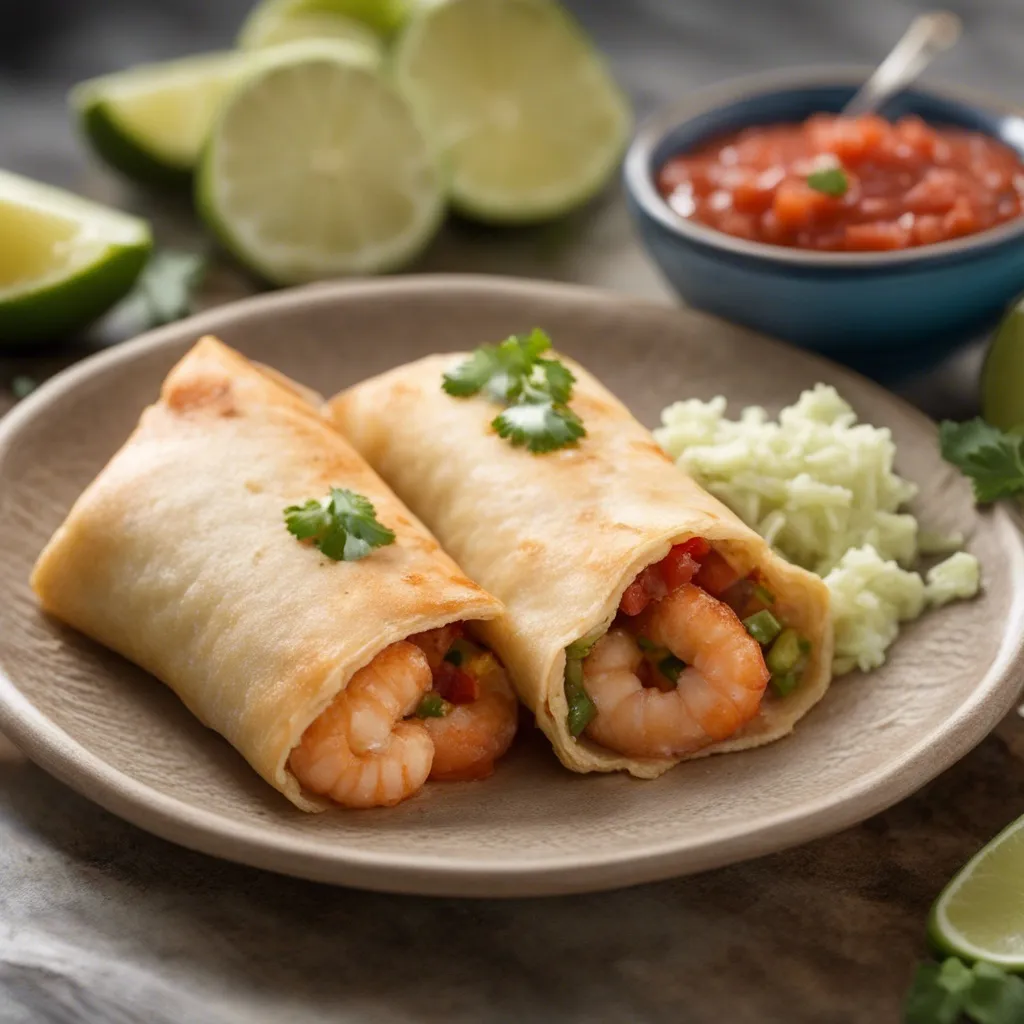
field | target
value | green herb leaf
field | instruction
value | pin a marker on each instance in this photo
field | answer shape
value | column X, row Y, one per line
column 432, row 705
column 541, row 426
column 343, row 526
column 992, row 459
column 581, row 708
column 937, row 993
column 832, row 181
column 535, row 390
column 995, row 997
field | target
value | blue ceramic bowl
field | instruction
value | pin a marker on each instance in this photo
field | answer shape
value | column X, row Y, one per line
column 886, row 313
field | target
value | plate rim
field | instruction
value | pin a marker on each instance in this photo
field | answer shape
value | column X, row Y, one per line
column 178, row 821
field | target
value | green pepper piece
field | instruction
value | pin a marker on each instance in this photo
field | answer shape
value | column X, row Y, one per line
column 784, row 653
column 579, row 649
column 433, row 705
column 763, row 594
column 671, row 668
column 763, row 626
column 581, row 708
column 785, row 683
column 454, row 656
column 647, row 645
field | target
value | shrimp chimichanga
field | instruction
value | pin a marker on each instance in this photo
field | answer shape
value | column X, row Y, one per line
column 333, row 661
column 644, row 622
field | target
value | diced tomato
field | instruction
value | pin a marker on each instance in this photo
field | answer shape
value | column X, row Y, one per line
column 678, row 567
column 796, row 204
column 455, row 684
column 876, row 236
column 635, row 599
column 695, row 547
column 716, row 574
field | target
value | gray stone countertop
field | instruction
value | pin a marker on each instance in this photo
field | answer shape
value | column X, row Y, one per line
column 100, row 922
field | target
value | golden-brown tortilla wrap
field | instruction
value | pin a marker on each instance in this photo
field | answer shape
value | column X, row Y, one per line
column 177, row 556
column 558, row 537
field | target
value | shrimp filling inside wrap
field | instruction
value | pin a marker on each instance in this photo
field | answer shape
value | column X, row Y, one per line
column 686, row 660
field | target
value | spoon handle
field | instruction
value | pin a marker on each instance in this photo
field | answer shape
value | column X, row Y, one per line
column 927, row 36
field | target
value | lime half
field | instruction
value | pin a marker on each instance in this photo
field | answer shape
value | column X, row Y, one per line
column 1002, row 379
column 520, row 107
column 315, row 168
column 281, row 21
column 980, row 914
column 150, row 122
column 64, row 261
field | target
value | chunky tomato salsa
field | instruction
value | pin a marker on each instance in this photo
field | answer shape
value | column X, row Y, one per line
column 847, row 183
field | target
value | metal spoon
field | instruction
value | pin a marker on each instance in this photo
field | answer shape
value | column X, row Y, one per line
column 928, row 36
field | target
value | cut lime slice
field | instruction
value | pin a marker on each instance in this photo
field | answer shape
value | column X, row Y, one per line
column 150, row 122
column 980, row 914
column 64, row 261
column 518, row 104
column 282, row 21
column 1002, row 379
column 315, row 168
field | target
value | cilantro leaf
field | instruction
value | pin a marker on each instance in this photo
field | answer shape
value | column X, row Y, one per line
column 937, row 994
column 993, row 460
column 472, row 374
column 995, row 997
column 535, row 390
column 831, row 181
column 540, row 426
column 558, row 378
column 343, row 526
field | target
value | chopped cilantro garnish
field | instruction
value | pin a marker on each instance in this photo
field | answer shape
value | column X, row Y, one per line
column 581, row 708
column 992, row 459
column 832, row 181
column 536, row 391
column 541, row 426
column 343, row 526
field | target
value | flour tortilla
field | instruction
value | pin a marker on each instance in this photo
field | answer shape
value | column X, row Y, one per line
column 177, row 557
column 558, row 537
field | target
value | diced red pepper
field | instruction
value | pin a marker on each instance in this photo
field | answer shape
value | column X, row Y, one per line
column 678, row 567
column 635, row 599
column 456, row 685
column 716, row 575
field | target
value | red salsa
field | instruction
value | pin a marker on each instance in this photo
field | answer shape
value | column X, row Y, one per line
column 847, row 183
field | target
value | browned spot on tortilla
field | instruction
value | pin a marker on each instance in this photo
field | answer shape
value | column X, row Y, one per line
column 465, row 581
column 587, row 515
column 210, row 393
column 254, row 486
column 651, row 448
column 531, row 547
column 414, row 579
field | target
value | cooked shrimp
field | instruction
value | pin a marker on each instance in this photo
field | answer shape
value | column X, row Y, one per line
column 471, row 737
column 358, row 751
column 716, row 694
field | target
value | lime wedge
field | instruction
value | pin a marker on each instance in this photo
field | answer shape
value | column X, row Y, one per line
column 282, row 21
column 980, row 914
column 150, row 122
column 1002, row 379
column 64, row 261
column 315, row 168
column 519, row 106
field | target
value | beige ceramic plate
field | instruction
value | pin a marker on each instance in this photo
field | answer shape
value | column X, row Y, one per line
column 120, row 738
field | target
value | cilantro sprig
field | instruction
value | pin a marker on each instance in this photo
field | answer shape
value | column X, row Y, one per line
column 536, row 391
column 343, row 526
column 992, row 459
column 950, row 992
column 830, row 181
